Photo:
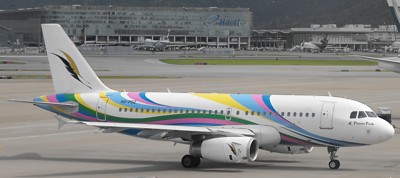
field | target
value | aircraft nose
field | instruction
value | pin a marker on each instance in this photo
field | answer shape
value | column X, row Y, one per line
column 386, row 131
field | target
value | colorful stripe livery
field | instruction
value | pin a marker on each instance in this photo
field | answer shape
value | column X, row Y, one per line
column 187, row 109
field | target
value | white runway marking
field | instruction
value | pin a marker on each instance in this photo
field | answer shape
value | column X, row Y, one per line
column 46, row 135
column 27, row 126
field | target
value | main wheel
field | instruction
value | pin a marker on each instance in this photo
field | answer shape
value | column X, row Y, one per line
column 189, row 161
column 334, row 164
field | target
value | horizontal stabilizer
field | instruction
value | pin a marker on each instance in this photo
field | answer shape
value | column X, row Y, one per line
column 71, row 104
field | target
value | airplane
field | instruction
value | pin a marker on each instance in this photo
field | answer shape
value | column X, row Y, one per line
column 314, row 47
column 227, row 128
column 394, row 47
column 156, row 45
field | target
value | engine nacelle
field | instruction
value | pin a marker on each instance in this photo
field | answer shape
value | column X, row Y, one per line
column 226, row 149
column 290, row 149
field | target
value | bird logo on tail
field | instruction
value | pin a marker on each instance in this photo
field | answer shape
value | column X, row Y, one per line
column 72, row 68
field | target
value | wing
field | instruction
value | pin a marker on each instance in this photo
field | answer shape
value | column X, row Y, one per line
column 171, row 132
column 389, row 63
column 393, row 60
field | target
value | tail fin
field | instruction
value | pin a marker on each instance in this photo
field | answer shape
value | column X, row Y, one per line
column 69, row 69
column 394, row 9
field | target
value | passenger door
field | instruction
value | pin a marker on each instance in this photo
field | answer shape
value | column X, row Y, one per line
column 326, row 119
column 101, row 109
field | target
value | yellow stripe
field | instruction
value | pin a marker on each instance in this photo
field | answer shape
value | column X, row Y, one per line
column 225, row 99
column 44, row 98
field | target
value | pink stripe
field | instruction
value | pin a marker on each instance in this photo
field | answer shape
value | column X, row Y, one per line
column 85, row 117
column 136, row 96
column 194, row 120
column 288, row 139
column 52, row 98
column 259, row 101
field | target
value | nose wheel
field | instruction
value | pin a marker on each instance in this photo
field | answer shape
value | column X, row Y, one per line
column 334, row 163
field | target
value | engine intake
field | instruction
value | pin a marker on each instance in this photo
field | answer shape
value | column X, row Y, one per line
column 226, row 149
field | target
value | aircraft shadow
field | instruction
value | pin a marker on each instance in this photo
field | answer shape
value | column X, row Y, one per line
column 159, row 166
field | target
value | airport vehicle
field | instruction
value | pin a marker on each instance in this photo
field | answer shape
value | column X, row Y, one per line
column 229, row 128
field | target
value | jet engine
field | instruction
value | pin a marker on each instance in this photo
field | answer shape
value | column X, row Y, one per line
column 226, row 149
column 290, row 149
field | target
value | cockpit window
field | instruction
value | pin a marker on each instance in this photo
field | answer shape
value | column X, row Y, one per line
column 371, row 114
column 353, row 115
column 362, row 114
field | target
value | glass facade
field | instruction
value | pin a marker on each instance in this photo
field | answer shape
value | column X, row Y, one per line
column 116, row 24
column 24, row 23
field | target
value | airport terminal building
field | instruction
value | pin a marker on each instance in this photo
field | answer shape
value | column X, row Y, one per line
column 215, row 27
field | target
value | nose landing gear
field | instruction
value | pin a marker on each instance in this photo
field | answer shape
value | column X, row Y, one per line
column 334, row 163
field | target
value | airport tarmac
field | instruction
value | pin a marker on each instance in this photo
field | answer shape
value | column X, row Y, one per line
column 31, row 145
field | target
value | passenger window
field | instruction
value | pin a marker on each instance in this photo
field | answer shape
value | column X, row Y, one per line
column 120, row 109
column 152, row 110
column 361, row 114
column 181, row 111
column 175, row 111
column 283, row 114
column 313, row 115
column 136, row 109
column 301, row 114
column 258, row 113
column 131, row 109
column 164, row 110
column 147, row 110
column 288, row 114
column 353, row 115
column 294, row 114
column 187, row 111
column 237, row 112
column 126, row 109
column 215, row 112
column 247, row 113
column 209, row 112
column 265, row 113
column 307, row 114
column 169, row 110
column 222, row 111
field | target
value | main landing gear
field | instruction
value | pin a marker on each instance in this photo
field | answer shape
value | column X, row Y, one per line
column 334, row 163
column 189, row 161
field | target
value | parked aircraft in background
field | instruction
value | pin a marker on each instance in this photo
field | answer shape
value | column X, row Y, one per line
column 314, row 47
column 229, row 128
column 394, row 47
column 156, row 45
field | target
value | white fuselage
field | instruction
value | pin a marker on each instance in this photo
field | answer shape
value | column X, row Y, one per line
column 300, row 120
